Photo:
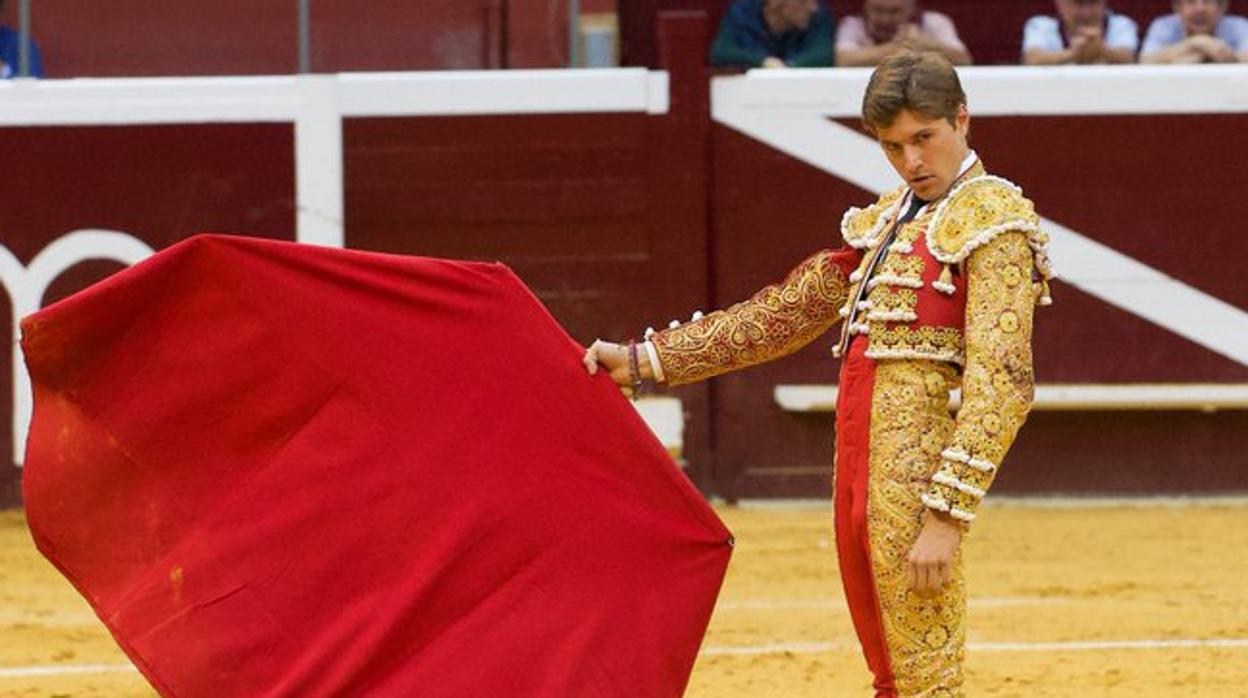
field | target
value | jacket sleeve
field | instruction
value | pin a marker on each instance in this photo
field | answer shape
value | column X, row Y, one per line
column 998, row 382
column 776, row 321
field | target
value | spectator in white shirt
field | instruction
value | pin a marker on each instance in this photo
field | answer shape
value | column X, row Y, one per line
column 1199, row 31
column 1084, row 32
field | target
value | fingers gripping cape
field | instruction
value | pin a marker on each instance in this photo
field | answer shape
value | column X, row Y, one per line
column 285, row 470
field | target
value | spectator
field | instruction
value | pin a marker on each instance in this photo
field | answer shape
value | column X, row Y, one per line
column 10, row 53
column 1198, row 31
column 774, row 34
column 888, row 26
column 1084, row 31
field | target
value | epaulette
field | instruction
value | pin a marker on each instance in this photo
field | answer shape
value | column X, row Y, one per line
column 861, row 228
column 975, row 213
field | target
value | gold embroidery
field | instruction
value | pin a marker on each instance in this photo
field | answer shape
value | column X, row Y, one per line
column 924, row 342
column 777, row 320
column 887, row 299
column 909, row 422
column 1012, row 275
column 861, row 228
column 911, row 230
column 997, row 385
column 974, row 213
column 903, row 265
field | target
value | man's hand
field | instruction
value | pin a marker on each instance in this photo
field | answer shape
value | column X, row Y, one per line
column 931, row 558
column 773, row 62
column 911, row 36
column 1088, row 45
column 1213, row 49
column 614, row 358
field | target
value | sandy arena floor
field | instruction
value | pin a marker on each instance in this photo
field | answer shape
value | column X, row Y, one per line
column 1145, row 600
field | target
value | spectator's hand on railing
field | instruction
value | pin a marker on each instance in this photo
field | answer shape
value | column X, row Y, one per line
column 1213, row 49
column 1087, row 45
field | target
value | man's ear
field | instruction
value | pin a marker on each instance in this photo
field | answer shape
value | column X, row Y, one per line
column 962, row 122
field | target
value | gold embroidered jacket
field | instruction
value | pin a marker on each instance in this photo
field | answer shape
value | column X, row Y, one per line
column 957, row 284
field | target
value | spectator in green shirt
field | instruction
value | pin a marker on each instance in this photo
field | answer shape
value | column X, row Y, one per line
column 774, row 34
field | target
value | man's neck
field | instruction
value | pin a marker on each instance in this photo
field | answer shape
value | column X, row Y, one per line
column 969, row 158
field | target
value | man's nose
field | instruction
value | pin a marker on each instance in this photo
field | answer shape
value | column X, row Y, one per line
column 912, row 157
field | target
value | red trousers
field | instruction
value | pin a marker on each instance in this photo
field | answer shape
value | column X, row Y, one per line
column 853, row 545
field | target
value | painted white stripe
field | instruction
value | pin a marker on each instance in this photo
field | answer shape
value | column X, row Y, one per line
column 189, row 100
column 1006, row 501
column 18, row 672
column 1206, row 397
column 1072, row 645
column 453, row 93
column 805, row 133
column 1141, row 290
column 1167, row 643
column 838, row 603
column 1003, row 91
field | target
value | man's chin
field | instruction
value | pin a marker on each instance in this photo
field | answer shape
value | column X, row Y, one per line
column 924, row 189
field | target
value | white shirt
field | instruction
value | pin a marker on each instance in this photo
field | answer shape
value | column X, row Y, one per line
column 1044, row 33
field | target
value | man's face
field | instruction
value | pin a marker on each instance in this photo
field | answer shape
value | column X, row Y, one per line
column 1080, row 14
column 927, row 153
column 795, row 14
column 1200, row 16
column 883, row 17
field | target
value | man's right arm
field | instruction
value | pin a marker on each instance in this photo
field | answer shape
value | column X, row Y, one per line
column 1164, row 43
column 776, row 321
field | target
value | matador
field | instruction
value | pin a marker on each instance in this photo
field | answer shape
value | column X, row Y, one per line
column 935, row 289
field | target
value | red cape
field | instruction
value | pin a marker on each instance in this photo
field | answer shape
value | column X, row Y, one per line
column 283, row 470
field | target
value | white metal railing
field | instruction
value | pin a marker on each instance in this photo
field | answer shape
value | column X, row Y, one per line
column 1205, row 397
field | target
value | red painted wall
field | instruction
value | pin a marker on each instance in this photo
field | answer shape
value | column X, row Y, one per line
column 238, row 37
column 157, row 183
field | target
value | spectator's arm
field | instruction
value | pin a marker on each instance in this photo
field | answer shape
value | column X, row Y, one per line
column 1039, row 56
column 1118, row 54
column 956, row 53
column 865, row 55
column 816, row 51
column 1185, row 51
column 1122, row 40
column 941, row 35
column 1164, row 43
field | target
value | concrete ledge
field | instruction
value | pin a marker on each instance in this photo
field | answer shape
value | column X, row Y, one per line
column 1205, row 397
column 666, row 418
